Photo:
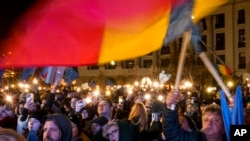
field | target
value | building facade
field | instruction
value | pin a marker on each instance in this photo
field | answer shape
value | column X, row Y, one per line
column 226, row 34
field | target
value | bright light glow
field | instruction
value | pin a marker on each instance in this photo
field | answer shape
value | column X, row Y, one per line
column 188, row 84
column 210, row 89
column 136, row 83
column 161, row 85
column 26, row 86
column 189, row 93
column 26, row 90
column 35, row 81
column 39, row 88
column 107, row 92
column 78, row 89
column 6, row 87
column 230, row 84
column 156, row 84
column 147, row 96
column 88, row 100
column 112, row 62
column 8, row 98
column 12, row 86
column 130, row 91
column 160, row 97
column 57, row 91
column 96, row 93
column 21, row 85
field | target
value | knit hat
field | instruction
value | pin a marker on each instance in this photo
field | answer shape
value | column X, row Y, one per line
column 38, row 114
column 76, row 118
column 100, row 120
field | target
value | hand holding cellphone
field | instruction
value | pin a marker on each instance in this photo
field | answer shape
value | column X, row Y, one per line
column 30, row 98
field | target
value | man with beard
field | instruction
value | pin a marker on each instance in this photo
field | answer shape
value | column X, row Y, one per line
column 57, row 127
column 212, row 123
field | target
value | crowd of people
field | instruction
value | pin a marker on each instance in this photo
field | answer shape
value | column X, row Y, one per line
column 67, row 116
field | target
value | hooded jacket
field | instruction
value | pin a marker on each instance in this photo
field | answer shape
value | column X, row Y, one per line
column 63, row 123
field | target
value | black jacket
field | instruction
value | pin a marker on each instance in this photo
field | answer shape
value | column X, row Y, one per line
column 173, row 131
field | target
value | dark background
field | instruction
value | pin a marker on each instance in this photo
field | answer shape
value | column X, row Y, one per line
column 10, row 11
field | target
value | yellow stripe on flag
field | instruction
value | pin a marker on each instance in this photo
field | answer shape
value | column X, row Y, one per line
column 203, row 8
column 120, row 45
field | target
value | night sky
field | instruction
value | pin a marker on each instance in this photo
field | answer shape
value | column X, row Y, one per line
column 10, row 11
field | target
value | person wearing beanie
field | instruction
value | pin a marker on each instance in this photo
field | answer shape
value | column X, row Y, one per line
column 34, row 124
column 96, row 128
column 78, row 134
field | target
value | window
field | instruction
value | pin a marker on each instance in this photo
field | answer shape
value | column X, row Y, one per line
column 242, row 39
column 242, row 60
column 165, row 62
column 95, row 67
column 220, row 41
column 110, row 66
column 241, row 16
column 129, row 64
column 220, row 21
column 203, row 24
column 165, row 49
column 222, row 58
column 147, row 63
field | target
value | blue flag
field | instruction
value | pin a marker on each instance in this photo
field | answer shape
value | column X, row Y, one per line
column 235, row 115
column 238, row 109
column 27, row 72
column 70, row 75
column 226, row 114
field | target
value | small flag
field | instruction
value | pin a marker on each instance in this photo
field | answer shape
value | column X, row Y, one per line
column 223, row 69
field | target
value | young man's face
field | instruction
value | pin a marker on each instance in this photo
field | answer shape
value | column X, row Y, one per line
column 95, row 128
column 51, row 132
column 212, row 124
column 34, row 124
column 104, row 108
column 113, row 133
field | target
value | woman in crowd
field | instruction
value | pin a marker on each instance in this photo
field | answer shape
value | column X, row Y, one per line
column 138, row 121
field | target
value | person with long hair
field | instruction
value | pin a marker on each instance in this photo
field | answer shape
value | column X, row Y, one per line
column 138, row 121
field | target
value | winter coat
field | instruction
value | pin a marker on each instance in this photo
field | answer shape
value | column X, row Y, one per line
column 173, row 131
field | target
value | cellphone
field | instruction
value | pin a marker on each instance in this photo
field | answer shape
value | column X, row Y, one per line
column 155, row 117
column 120, row 100
column 30, row 98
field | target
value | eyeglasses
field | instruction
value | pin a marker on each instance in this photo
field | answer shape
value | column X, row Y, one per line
column 112, row 133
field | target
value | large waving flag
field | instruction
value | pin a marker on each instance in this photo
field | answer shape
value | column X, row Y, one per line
column 86, row 32
column 232, row 115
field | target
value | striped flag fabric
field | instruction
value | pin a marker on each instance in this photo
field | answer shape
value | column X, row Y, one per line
column 223, row 69
column 89, row 32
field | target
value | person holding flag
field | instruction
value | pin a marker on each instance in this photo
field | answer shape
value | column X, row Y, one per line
column 212, row 123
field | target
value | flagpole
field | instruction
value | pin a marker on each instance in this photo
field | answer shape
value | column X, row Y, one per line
column 186, row 37
column 212, row 52
column 215, row 74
